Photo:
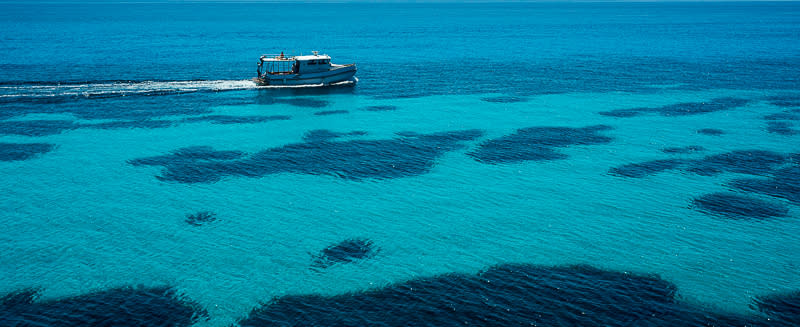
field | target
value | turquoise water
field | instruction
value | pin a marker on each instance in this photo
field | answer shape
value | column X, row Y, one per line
column 82, row 218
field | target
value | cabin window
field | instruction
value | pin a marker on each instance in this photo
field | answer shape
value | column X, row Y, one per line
column 312, row 62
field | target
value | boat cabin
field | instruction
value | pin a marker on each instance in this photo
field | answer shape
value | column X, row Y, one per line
column 283, row 65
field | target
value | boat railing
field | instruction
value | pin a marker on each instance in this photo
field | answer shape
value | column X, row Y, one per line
column 279, row 56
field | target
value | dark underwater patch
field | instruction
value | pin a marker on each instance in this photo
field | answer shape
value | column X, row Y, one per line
column 622, row 113
column 784, row 183
column 682, row 109
column 291, row 98
column 647, row 168
column 780, row 181
column 736, row 206
column 783, row 116
column 786, row 100
column 23, row 151
column 782, row 128
column 127, row 306
column 330, row 112
column 381, row 108
column 187, row 155
column 200, row 218
column 784, row 97
column 131, row 107
column 130, row 124
column 710, row 131
column 346, row 251
column 351, row 159
column 142, row 108
column 537, row 143
column 505, row 295
column 684, row 149
column 783, row 122
column 318, row 135
column 303, row 102
column 226, row 119
column 504, row 99
column 752, row 162
column 18, row 298
column 35, row 127
column 783, row 307
column 786, row 103
column 407, row 134
column 50, row 127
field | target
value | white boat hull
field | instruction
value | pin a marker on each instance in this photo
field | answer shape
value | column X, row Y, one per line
column 335, row 75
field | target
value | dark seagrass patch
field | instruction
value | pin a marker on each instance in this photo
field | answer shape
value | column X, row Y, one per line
column 330, row 112
column 504, row 295
column 681, row 109
column 125, row 306
column 736, row 206
column 319, row 155
column 200, row 218
column 23, row 151
column 227, row 119
column 350, row 250
column 537, row 144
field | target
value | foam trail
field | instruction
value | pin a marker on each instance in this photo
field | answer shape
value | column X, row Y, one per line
column 105, row 89
column 119, row 88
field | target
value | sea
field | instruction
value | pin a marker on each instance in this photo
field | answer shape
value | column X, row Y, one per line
column 496, row 164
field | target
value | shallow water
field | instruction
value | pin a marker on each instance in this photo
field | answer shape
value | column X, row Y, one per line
column 454, row 153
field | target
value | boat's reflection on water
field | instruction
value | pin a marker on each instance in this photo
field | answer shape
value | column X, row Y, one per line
column 273, row 95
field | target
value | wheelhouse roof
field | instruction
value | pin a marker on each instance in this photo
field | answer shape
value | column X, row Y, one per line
column 312, row 57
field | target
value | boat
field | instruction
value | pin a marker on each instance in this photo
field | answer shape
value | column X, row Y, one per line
column 315, row 69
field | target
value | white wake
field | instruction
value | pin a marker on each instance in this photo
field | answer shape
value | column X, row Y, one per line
column 122, row 88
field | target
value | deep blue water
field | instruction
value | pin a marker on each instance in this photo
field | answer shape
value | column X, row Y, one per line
column 556, row 164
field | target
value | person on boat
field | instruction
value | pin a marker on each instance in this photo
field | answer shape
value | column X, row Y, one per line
column 281, row 54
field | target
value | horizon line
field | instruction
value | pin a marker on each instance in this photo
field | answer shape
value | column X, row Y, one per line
column 377, row 1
